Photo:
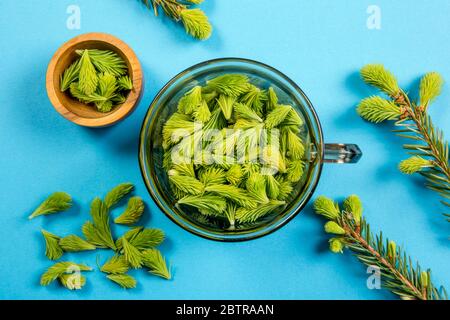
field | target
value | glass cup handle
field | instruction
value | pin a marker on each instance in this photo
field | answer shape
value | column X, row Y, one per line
column 341, row 153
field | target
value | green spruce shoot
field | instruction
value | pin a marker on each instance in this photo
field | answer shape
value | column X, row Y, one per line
column 74, row 243
column 132, row 213
column 116, row 265
column 56, row 202
column 156, row 263
column 53, row 250
column 124, row 280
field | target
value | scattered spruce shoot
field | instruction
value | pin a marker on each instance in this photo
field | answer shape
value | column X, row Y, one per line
column 135, row 249
column 56, row 202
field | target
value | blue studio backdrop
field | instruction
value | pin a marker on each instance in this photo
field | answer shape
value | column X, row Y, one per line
column 319, row 44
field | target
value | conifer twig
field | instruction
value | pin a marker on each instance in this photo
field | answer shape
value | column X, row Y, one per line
column 429, row 151
column 351, row 230
column 195, row 21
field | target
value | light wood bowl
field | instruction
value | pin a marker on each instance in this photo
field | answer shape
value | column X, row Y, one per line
column 80, row 113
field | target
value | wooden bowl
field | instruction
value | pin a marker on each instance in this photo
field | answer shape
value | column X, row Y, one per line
column 80, row 113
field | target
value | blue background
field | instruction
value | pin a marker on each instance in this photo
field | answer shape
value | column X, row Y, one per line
column 319, row 44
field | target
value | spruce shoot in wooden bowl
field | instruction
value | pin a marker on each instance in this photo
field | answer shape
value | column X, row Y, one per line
column 94, row 80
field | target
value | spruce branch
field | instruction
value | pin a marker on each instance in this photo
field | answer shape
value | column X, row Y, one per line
column 429, row 150
column 195, row 21
column 350, row 230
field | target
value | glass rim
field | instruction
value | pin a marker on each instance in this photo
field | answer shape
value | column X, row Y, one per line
column 232, row 238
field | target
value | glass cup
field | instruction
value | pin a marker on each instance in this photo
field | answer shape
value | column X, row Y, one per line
column 316, row 151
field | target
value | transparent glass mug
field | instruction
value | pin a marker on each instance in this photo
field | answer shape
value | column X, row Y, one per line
column 316, row 151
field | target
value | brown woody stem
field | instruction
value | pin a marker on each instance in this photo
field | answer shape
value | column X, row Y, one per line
column 417, row 119
column 357, row 236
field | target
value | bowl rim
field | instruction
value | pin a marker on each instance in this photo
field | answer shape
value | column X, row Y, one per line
column 109, row 118
column 319, row 164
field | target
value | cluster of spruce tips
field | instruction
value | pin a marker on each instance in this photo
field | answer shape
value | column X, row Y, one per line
column 350, row 230
column 429, row 150
column 233, row 152
column 194, row 21
column 98, row 77
column 134, row 249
